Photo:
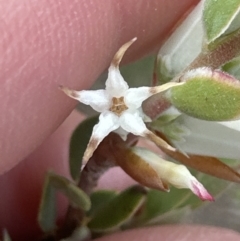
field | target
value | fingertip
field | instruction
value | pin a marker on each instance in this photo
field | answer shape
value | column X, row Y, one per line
column 175, row 232
column 71, row 43
column 21, row 187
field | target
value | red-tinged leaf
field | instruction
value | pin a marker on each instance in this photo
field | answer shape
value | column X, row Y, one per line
column 207, row 94
column 205, row 164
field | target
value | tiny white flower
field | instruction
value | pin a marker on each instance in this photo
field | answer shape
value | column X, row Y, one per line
column 119, row 105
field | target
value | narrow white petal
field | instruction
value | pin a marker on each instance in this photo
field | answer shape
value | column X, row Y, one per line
column 135, row 96
column 158, row 141
column 99, row 100
column 209, row 139
column 119, row 55
column 164, row 87
column 107, row 122
column 115, row 84
column 133, row 123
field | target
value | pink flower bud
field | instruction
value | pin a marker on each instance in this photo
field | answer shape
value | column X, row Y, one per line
column 139, row 162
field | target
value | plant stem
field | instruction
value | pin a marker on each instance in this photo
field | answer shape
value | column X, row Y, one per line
column 98, row 164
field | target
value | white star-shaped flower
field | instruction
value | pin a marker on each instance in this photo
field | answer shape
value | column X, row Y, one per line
column 119, row 105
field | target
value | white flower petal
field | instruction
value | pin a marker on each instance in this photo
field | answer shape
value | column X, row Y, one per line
column 133, row 123
column 108, row 122
column 99, row 100
column 135, row 96
column 115, row 84
column 122, row 133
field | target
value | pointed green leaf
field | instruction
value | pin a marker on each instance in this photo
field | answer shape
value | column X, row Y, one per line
column 76, row 196
column 6, row 236
column 118, row 211
column 47, row 210
column 218, row 16
column 78, row 145
column 207, row 95
column 159, row 203
column 99, row 199
column 233, row 67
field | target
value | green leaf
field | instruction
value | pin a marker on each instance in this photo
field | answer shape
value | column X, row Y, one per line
column 99, row 199
column 118, row 211
column 76, row 196
column 78, row 145
column 233, row 67
column 47, row 211
column 207, row 95
column 218, row 16
column 158, row 203
column 6, row 236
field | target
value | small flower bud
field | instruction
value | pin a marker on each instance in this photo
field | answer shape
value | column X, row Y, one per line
column 150, row 170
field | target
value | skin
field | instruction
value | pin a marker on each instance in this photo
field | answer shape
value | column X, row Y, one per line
column 173, row 233
column 47, row 43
